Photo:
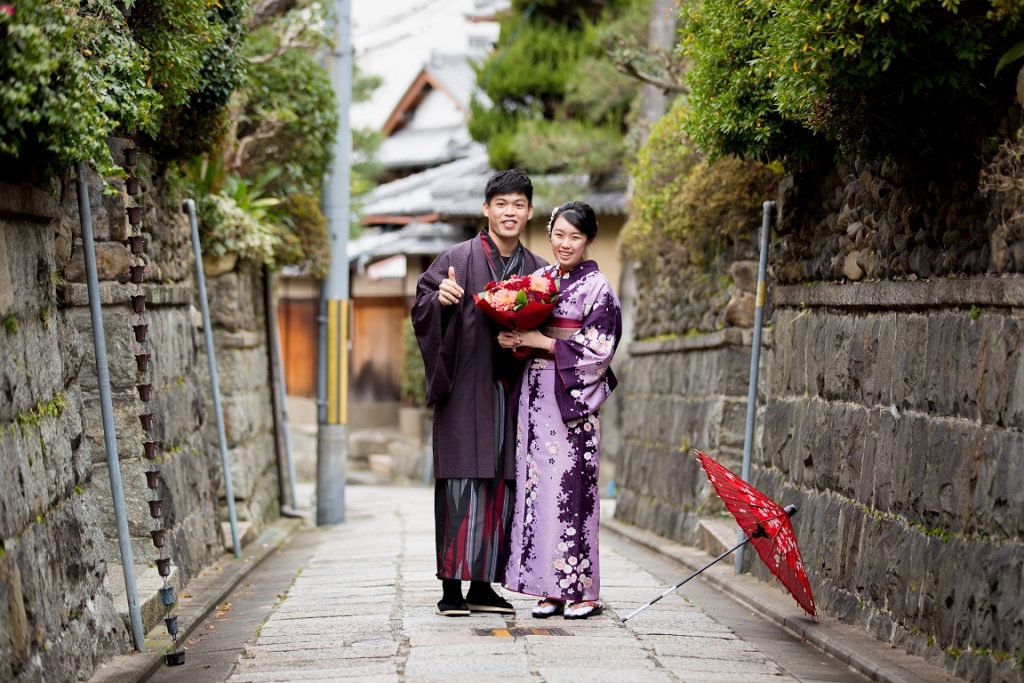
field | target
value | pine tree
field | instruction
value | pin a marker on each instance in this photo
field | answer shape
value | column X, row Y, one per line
column 554, row 101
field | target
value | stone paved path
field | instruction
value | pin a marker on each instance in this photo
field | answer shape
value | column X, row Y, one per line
column 362, row 609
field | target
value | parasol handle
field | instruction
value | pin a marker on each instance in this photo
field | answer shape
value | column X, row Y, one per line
column 758, row 533
column 790, row 509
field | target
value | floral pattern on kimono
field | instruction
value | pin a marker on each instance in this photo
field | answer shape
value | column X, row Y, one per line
column 555, row 523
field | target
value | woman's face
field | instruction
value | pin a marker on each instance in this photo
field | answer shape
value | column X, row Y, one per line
column 567, row 244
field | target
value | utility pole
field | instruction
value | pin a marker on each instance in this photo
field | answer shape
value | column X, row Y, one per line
column 332, row 432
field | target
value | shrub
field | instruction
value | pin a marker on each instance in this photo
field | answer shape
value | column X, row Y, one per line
column 75, row 73
column 71, row 76
column 227, row 229
column 413, row 391
column 663, row 164
column 776, row 79
column 680, row 199
column 196, row 68
column 301, row 214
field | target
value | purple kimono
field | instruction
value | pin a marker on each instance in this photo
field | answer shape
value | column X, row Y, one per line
column 558, row 438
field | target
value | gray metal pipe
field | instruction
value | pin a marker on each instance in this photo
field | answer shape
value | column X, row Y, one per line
column 107, row 410
column 280, row 391
column 755, row 357
column 289, row 452
column 190, row 208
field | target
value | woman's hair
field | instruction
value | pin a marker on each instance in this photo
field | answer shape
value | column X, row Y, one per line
column 512, row 181
column 580, row 216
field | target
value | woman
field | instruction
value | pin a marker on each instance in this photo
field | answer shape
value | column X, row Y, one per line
column 555, row 523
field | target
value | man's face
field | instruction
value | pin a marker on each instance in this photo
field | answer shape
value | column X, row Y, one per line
column 507, row 215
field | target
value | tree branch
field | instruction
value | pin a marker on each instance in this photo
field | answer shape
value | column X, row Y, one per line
column 265, row 11
column 235, row 158
column 291, row 39
column 631, row 70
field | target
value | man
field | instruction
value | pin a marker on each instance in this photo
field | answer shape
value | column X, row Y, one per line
column 470, row 382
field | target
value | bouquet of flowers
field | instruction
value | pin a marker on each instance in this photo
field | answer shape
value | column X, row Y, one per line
column 521, row 302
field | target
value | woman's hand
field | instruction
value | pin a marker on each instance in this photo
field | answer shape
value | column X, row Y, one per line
column 509, row 340
column 535, row 340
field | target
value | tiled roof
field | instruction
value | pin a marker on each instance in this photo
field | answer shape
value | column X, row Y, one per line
column 455, row 74
column 415, row 239
column 425, row 147
column 414, row 195
column 456, row 189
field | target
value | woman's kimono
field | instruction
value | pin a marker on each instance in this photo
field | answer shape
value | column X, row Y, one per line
column 558, row 438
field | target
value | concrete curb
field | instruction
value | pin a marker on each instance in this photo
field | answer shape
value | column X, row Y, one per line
column 861, row 652
column 207, row 590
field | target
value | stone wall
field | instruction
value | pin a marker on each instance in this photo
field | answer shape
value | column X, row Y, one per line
column 682, row 394
column 674, row 297
column 56, row 613
column 895, row 420
column 892, row 414
column 240, row 336
column 925, row 217
column 58, row 544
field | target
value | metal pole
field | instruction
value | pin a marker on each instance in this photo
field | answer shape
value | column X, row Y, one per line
column 107, row 410
column 755, row 357
column 332, row 437
column 190, row 208
column 281, row 394
column 270, row 319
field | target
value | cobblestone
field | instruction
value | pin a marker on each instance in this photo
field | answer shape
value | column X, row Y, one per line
column 362, row 608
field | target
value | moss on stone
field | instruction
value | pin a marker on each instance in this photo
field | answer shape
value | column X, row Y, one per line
column 34, row 416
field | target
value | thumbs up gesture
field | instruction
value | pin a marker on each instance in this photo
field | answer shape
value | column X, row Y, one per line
column 449, row 291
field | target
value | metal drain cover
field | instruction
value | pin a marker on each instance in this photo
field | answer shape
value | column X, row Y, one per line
column 520, row 632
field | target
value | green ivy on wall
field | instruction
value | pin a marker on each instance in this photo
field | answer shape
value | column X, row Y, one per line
column 71, row 75
column 74, row 73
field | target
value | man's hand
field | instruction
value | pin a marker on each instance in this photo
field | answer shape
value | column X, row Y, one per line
column 509, row 340
column 449, row 291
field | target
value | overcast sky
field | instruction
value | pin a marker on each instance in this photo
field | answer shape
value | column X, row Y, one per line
column 393, row 39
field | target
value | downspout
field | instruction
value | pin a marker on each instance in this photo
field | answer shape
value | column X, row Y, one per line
column 107, row 410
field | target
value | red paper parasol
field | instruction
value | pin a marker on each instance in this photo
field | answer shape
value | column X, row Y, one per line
column 766, row 526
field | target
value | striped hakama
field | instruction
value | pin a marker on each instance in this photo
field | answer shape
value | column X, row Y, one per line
column 472, row 517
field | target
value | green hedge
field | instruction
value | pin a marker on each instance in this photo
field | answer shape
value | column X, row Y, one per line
column 74, row 73
column 787, row 79
column 681, row 200
column 71, row 75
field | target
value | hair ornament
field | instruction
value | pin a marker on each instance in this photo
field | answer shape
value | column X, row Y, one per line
column 551, row 221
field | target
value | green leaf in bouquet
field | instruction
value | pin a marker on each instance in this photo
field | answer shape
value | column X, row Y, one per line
column 520, row 299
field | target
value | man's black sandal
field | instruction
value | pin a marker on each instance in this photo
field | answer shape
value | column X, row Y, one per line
column 491, row 603
column 452, row 609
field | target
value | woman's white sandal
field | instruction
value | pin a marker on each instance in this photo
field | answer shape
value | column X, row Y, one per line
column 584, row 609
column 548, row 608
